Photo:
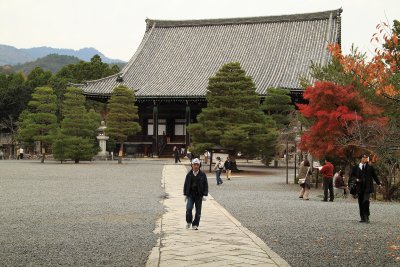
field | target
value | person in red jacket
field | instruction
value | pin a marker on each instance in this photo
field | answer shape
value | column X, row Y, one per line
column 327, row 173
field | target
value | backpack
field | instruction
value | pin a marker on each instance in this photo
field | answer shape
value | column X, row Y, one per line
column 220, row 165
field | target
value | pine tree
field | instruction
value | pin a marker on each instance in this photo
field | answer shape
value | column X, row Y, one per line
column 60, row 146
column 121, row 116
column 279, row 105
column 78, row 128
column 233, row 118
column 40, row 124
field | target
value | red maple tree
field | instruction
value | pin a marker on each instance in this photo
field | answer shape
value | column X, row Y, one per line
column 335, row 111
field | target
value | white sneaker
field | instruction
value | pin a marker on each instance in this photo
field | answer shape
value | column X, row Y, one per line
column 195, row 227
column 188, row 225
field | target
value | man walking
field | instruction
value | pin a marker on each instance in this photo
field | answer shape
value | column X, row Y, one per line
column 362, row 174
column 327, row 173
column 228, row 168
column 218, row 168
column 195, row 191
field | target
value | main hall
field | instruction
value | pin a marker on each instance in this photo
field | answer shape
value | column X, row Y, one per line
column 169, row 71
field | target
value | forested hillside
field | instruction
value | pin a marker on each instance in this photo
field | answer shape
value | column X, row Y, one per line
column 51, row 63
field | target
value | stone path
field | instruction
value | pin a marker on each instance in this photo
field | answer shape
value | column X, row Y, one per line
column 220, row 241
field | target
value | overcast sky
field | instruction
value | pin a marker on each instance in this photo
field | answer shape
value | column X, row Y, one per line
column 116, row 27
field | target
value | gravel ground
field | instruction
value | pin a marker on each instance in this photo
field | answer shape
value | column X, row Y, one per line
column 87, row 214
column 310, row 233
column 104, row 214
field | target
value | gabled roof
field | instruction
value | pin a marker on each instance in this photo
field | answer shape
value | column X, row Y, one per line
column 176, row 58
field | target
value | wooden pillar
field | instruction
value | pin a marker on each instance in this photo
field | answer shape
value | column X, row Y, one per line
column 187, row 118
column 155, row 128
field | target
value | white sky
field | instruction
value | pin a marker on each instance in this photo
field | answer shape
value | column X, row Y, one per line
column 116, row 27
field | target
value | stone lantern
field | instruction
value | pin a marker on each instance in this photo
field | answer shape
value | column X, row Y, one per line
column 102, row 140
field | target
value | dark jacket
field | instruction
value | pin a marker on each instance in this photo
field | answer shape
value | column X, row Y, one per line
column 366, row 177
column 339, row 182
column 202, row 184
column 228, row 165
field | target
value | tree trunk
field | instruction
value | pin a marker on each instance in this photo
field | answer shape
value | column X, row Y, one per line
column 43, row 156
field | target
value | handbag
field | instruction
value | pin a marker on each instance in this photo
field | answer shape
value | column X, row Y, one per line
column 303, row 180
column 353, row 189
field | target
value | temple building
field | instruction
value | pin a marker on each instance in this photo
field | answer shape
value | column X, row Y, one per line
column 170, row 70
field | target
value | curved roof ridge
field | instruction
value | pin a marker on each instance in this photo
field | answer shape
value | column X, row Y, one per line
column 133, row 58
column 244, row 20
column 126, row 67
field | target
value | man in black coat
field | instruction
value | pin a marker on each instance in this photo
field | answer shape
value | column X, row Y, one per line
column 363, row 175
column 195, row 191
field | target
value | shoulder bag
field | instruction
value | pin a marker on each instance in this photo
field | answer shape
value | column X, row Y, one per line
column 303, row 180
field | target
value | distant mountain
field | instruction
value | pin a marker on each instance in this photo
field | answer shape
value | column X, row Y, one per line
column 50, row 62
column 10, row 55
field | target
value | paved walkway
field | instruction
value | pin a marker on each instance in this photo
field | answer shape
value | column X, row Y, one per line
column 220, row 241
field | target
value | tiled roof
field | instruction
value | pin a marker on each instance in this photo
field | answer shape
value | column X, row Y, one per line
column 176, row 58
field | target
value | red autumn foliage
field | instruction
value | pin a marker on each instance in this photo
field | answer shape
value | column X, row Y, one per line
column 334, row 110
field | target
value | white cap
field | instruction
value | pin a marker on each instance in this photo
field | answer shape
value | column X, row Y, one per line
column 196, row 161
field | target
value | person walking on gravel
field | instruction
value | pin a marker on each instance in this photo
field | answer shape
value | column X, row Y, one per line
column 218, row 168
column 305, row 173
column 228, row 168
column 195, row 191
column 327, row 173
column 363, row 175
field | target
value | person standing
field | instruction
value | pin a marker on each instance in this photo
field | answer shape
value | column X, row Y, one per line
column 206, row 156
column 219, row 166
column 195, row 191
column 189, row 154
column 339, row 184
column 183, row 153
column 228, row 168
column 21, row 153
column 363, row 175
column 305, row 173
column 176, row 154
column 327, row 173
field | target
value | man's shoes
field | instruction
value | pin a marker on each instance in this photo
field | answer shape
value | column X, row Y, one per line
column 300, row 196
column 367, row 219
column 188, row 225
column 229, row 178
column 362, row 221
column 194, row 227
column 331, row 200
column 306, row 199
column 324, row 200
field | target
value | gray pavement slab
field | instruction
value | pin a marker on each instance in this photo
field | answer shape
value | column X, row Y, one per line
column 220, row 241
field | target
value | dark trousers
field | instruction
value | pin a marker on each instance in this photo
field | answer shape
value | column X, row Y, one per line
column 197, row 202
column 328, row 185
column 363, row 204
